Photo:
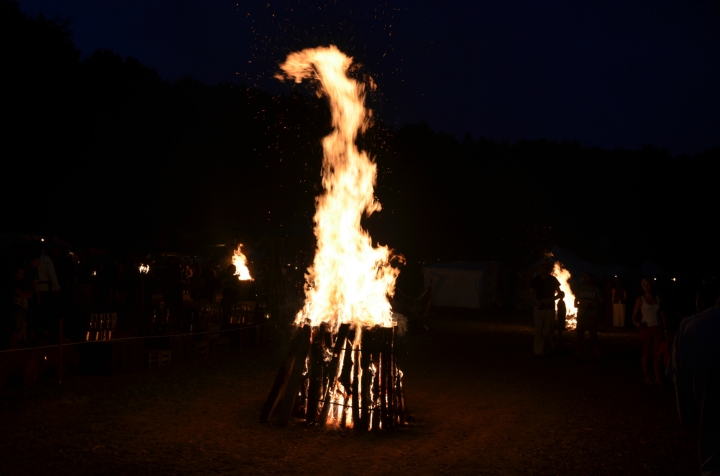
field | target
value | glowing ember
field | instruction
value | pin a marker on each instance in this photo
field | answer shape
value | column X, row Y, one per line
column 350, row 280
column 563, row 275
column 144, row 268
column 240, row 262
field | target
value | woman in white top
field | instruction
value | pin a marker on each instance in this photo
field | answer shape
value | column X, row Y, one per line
column 649, row 319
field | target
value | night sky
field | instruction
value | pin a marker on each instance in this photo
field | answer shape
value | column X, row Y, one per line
column 613, row 74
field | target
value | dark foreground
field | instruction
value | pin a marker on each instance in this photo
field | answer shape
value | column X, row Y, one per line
column 481, row 406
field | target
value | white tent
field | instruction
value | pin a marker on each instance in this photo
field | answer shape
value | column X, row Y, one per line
column 462, row 284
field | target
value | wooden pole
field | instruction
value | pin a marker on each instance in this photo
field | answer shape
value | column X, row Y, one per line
column 377, row 341
column 387, row 379
column 345, row 376
column 356, row 387
column 400, row 397
column 281, row 378
column 285, row 405
column 316, row 374
column 366, row 381
column 332, row 372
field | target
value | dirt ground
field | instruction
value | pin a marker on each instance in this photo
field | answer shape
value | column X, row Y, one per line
column 480, row 406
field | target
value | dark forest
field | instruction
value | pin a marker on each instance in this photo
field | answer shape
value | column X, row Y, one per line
column 101, row 151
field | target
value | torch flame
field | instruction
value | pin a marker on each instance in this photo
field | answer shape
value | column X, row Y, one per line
column 350, row 280
column 240, row 262
column 563, row 275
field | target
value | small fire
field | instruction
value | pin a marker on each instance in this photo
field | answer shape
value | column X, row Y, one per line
column 350, row 279
column 240, row 262
column 563, row 275
column 144, row 268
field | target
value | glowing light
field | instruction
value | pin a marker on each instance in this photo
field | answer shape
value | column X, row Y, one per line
column 240, row 262
column 144, row 268
column 563, row 275
column 350, row 279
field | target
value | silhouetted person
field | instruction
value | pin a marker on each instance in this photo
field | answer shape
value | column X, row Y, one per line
column 210, row 286
column 66, row 270
column 649, row 318
column 561, row 314
column 696, row 373
column 21, row 294
column 48, row 288
column 545, row 287
column 588, row 299
column 619, row 300
column 34, row 326
column 173, row 294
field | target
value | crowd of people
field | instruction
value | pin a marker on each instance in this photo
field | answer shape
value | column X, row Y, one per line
column 46, row 281
column 687, row 348
column 656, row 318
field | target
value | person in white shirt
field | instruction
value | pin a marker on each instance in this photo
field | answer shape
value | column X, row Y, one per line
column 649, row 318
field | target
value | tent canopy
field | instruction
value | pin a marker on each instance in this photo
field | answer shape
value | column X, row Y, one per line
column 463, row 284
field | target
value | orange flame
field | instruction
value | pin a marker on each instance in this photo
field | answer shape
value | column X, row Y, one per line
column 240, row 262
column 563, row 275
column 350, row 280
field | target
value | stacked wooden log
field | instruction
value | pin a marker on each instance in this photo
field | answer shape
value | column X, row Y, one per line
column 339, row 380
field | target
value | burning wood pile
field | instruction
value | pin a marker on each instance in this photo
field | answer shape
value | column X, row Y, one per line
column 341, row 368
column 327, row 380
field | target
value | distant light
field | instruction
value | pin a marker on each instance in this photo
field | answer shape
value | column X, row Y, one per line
column 43, row 239
column 94, row 273
column 674, row 279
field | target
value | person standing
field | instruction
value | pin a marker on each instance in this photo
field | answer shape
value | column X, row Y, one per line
column 32, row 320
column 649, row 318
column 588, row 298
column 619, row 298
column 21, row 295
column 48, row 288
column 561, row 315
column 695, row 370
column 544, row 287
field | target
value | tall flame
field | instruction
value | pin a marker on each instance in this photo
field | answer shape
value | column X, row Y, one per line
column 240, row 262
column 350, row 280
column 563, row 275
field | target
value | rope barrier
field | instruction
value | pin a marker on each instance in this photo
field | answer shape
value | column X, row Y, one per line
column 137, row 338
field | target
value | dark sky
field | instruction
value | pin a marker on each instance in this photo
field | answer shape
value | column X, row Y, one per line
column 605, row 73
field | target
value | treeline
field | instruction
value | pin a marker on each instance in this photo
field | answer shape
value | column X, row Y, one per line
column 101, row 149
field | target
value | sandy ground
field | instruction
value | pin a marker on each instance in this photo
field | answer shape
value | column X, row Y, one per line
column 480, row 406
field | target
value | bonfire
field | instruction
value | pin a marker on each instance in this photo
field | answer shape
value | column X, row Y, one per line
column 341, row 368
